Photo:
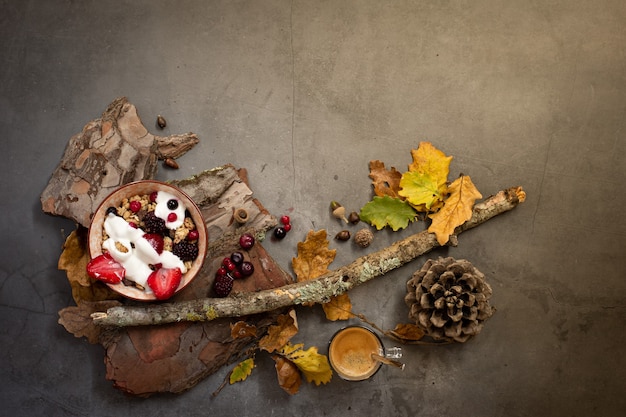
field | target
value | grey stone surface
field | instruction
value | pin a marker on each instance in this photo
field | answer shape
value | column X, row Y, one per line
column 304, row 95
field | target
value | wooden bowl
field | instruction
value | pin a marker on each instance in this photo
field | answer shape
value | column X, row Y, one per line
column 145, row 188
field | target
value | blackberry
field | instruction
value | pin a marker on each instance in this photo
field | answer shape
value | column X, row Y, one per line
column 154, row 224
column 185, row 250
column 223, row 284
column 112, row 210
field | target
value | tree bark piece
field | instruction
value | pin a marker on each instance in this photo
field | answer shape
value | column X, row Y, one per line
column 112, row 150
column 319, row 290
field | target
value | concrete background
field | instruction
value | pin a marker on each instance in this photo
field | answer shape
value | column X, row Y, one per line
column 304, row 95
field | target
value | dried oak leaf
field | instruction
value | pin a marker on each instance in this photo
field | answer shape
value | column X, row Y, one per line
column 314, row 366
column 386, row 182
column 241, row 330
column 313, row 256
column 457, row 209
column 424, row 185
column 288, row 374
column 242, row 371
column 73, row 260
column 407, row 332
column 279, row 334
column 338, row 308
column 77, row 319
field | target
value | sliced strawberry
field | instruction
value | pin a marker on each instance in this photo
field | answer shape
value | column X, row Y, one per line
column 164, row 281
column 105, row 268
column 156, row 241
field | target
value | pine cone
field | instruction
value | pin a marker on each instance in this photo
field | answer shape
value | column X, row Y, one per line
column 449, row 299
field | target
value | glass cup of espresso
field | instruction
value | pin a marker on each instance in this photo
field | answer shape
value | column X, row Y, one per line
column 352, row 351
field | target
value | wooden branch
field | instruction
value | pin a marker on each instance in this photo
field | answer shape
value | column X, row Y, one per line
column 319, row 290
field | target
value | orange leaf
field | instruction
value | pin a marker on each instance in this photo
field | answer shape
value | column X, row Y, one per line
column 457, row 208
column 313, row 256
column 386, row 182
column 241, row 330
column 338, row 308
column 288, row 374
column 279, row 334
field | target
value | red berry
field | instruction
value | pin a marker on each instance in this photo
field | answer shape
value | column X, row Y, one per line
column 246, row 241
column 193, row 235
column 172, row 217
column 229, row 264
column 153, row 196
column 285, row 220
column 287, row 227
column 237, row 274
column 221, row 271
column 156, row 241
column 132, row 224
column 134, row 206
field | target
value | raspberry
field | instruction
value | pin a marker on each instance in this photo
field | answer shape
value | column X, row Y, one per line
column 185, row 250
column 154, row 224
column 223, row 284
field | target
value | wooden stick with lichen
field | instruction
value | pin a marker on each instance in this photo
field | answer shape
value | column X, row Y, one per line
column 319, row 290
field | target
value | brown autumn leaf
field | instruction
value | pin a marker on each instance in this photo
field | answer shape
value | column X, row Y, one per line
column 77, row 319
column 73, row 261
column 289, row 377
column 338, row 308
column 313, row 256
column 280, row 333
column 386, row 182
column 407, row 332
column 241, row 330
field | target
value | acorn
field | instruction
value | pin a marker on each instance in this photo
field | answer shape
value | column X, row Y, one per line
column 343, row 235
column 338, row 211
column 363, row 238
column 240, row 215
column 354, row 217
column 161, row 121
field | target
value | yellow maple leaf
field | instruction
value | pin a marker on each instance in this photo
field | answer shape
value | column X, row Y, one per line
column 425, row 184
column 279, row 334
column 241, row 371
column 338, row 308
column 456, row 210
column 313, row 256
column 314, row 366
column 386, row 182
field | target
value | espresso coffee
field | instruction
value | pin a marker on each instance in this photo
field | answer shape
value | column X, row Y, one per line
column 350, row 353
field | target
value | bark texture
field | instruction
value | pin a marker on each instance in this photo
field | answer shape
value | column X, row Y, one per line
column 319, row 290
column 110, row 151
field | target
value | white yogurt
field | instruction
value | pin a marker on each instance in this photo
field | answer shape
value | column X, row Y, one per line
column 140, row 255
column 163, row 212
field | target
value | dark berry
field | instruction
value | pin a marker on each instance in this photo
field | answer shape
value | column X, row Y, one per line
column 172, row 204
column 223, row 284
column 185, row 250
column 134, row 206
column 172, row 217
column 237, row 258
column 285, row 219
column 153, row 196
column 193, row 235
column 154, row 224
column 246, row 268
column 280, row 232
column 237, row 274
column 111, row 210
column 246, row 241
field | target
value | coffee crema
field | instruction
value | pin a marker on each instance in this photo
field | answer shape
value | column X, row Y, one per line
column 350, row 353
